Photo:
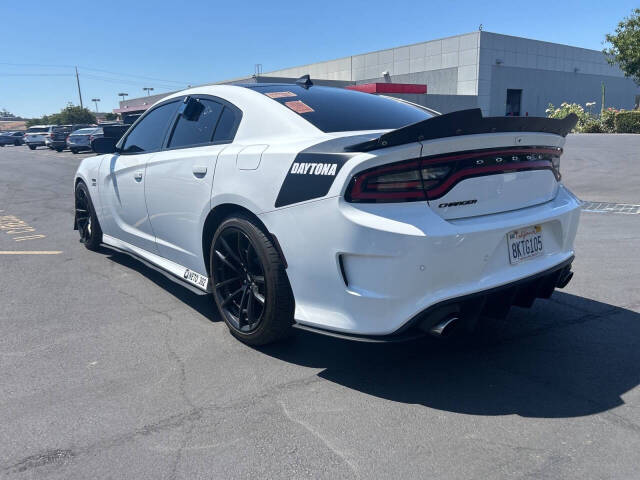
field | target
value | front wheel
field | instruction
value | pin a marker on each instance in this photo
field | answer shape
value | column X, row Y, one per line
column 58, row 150
column 74, row 151
column 32, row 147
column 249, row 283
column 86, row 219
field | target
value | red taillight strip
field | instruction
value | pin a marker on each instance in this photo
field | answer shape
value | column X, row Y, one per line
column 360, row 190
column 482, row 171
column 361, row 179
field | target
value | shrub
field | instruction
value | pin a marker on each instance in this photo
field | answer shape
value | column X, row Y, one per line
column 565, row 109
column 627, row 122
column 592, row 125
column 607, row 120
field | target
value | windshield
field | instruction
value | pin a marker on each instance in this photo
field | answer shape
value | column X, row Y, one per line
column 339, row 110
column 37, row 129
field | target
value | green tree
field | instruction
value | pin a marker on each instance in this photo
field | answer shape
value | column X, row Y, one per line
column 74, row 114
column 625, row 46
column 69, row 115
column 6, row 114
column 110, row 116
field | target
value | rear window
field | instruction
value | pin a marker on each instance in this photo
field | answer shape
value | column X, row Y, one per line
column 37, row 129
column 340, row 110
column 86, row 131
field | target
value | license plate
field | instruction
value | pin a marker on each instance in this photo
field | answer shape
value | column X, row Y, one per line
column 524, row 244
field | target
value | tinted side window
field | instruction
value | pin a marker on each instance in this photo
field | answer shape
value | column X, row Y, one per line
column 147, row 136
column 199, row 129
column 226, row 126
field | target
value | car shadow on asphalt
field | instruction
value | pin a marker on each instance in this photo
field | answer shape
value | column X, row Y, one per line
column 202, row 303
column 565, row 357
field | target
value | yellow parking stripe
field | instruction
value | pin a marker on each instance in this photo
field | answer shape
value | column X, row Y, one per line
column 30, row 252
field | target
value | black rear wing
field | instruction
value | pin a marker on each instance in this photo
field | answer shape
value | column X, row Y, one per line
column 465, row 122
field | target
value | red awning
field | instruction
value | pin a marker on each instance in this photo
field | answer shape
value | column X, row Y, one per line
column 389, row 88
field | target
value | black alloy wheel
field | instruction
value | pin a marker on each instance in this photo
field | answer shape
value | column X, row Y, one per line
column 86, row 220
column 240, row 280
column 249, row 282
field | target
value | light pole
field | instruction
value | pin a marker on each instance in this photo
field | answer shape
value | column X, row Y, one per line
column 122, row 94
column 96, row 100
column 147, row 89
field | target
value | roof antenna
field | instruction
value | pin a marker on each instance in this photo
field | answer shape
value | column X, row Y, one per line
column 304, row 81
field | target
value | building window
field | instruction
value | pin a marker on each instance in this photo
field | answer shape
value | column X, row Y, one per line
column 514, row 98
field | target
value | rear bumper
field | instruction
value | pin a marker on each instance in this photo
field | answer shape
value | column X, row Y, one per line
column 79, row 146
column 494, row 303
column 372, row 269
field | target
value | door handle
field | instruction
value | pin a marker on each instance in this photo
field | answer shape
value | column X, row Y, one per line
column 199, row 170
column 138, row 175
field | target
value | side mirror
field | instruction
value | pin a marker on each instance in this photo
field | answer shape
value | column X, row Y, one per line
column 104, row 145
column 192, row 110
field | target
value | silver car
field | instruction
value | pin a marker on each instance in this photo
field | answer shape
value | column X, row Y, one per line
column 81, row 139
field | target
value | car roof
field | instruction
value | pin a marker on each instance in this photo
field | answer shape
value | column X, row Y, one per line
column 284, row 123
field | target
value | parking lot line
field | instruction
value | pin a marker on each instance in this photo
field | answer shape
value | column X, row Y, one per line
column 30, row 252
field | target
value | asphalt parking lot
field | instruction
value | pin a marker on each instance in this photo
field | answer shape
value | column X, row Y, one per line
column 109, row 370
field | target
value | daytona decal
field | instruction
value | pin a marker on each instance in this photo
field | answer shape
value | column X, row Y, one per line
column 314, row 168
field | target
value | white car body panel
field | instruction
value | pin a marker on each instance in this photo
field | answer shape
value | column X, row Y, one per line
column 176, row 182
column 399, row 258
column 124, row 210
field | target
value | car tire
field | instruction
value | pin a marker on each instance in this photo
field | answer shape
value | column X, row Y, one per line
column 258, row 309
column 1, row 144
column 86, row 219
column 59, row 150
column 32, row 147
column 73, row 150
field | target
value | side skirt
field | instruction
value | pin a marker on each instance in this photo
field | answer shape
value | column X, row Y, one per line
column 195, row 281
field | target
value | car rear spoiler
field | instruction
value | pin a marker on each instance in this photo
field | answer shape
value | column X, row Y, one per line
column 465, row 122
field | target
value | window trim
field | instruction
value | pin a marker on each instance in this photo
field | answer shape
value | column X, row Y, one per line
column 124, row 138
column 225, row 104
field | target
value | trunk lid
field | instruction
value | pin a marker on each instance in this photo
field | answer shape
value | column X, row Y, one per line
column 500, row 173
column 468, row 165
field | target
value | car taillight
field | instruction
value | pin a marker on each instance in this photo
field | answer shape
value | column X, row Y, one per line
column 90, row 138
column 432, row 177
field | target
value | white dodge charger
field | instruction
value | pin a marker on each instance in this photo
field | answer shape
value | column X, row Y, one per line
column 336, row 211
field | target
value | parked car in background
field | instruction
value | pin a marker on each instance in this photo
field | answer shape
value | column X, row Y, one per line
column 35, row 136
column 11, row 138
column 57, row 139
column 113, row 131
column 81, row 139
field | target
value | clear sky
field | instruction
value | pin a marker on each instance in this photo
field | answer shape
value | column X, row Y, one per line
column 122, row 46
